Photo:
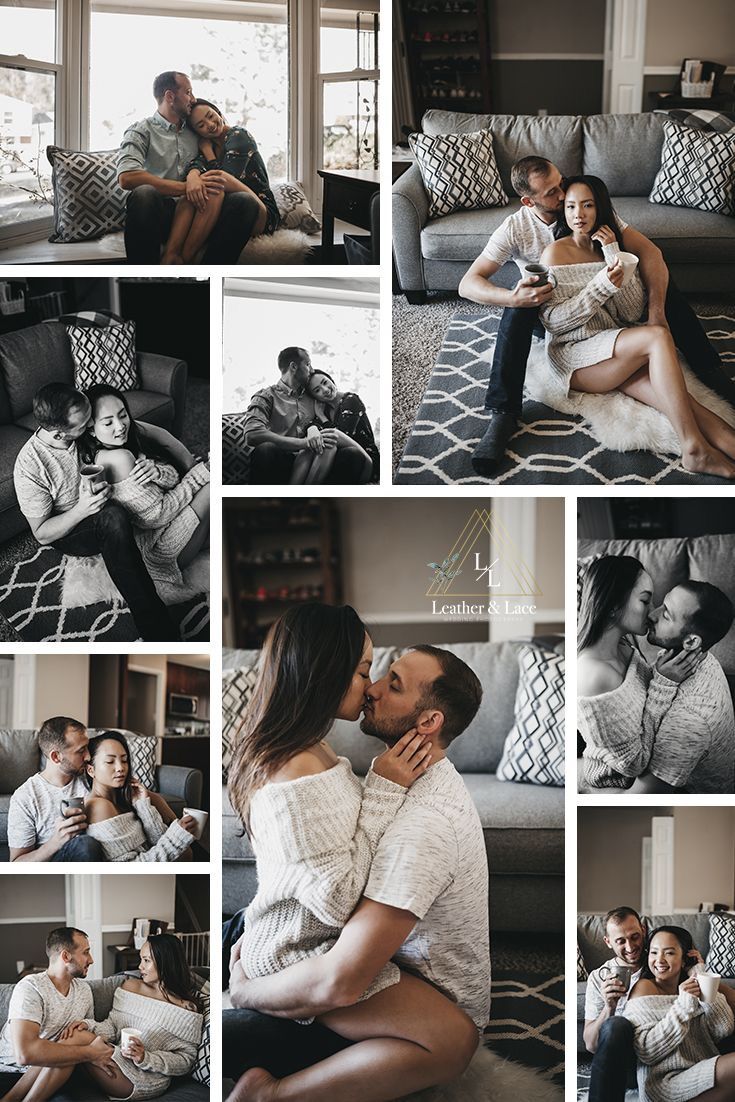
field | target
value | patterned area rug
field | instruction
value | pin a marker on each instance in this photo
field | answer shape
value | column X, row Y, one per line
column 31, row 601
column 527, row 1020
column 549, row 447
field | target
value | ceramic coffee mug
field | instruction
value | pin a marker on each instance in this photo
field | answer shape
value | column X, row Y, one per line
column 620, row 972
column 76, row 802
column 708, row 985
column 539, row 270
column 201, row 819
column 126, row 1035
column 92, row 477
column 630, row 263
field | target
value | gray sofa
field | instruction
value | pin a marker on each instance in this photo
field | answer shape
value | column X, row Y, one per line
column 41, row 354
column 20, row 758
column 79, row 1088
column 594, row 952
column 624, row 150
column 523, row 824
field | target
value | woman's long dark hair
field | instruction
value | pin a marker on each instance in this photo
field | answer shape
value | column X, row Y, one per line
column 89, row 445
column 309, row 658
column 204, row 103
column 685, row 940
column 605, row 212
column 174, row 974
column 606, row 587
column 122, row 797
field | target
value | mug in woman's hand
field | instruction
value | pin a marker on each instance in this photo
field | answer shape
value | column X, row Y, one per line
column 629, row 262
column 126, row 1036
column 200, row 817
column 708, row 985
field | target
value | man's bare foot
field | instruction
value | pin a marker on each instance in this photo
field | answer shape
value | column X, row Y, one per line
column 703, row 459
column 256, row 1085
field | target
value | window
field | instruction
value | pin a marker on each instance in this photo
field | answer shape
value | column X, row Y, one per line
column 337, row 321
column 349, row 78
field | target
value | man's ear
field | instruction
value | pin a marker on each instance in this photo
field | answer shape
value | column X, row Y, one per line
column 692, row 642
column 526, row 201
column 430, row 722
column 607, row 941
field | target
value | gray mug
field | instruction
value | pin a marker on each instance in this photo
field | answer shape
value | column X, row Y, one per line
column 74, row 802
column 539, row 270
column 621, row 972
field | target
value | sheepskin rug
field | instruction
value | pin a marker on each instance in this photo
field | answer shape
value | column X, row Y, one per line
column 282, row 247
column 617, row 421
column 490, row 1078
column 86, row 582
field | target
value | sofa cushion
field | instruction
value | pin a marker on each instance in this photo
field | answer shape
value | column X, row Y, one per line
column 697, row 170
column 694, row 237
column 147, row 405
column 718, row 122
column 534, row 748
column 624, row 151
column 12, row 440
column 666, row 560
column 523, row 825
column 32, row 357
column 458, row 171
column 591, row 931
column 20, row 758
column 463, row 234
column 710, row 560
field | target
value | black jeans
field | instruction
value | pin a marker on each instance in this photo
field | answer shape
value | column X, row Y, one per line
column 513, row 344
column 613, row 1065
column 148, row 223
column 109, row 533
column 271, row 466
column 80, row 848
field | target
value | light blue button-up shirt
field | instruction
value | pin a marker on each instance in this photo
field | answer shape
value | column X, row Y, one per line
column 159, row 147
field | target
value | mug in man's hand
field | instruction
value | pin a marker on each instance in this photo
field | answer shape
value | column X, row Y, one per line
column 540, row 271
column 620, row 972
column 74, row 803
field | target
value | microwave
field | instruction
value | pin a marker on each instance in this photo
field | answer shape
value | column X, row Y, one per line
column 181, row 705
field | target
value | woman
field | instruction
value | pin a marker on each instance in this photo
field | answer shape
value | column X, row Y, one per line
column 166, row 1007
column 169, row 511
column 676, row 1032
column 121, row 814
column 617, row 718
column 347, row 415
column 229, row 159
column 314, row 831
column 593, row 341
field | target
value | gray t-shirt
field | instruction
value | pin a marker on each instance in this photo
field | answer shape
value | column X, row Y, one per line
column 432, row 861
column 36, row 999
column 46, row 479
column 34, row 809
column 594, row 1000
column 522, row 237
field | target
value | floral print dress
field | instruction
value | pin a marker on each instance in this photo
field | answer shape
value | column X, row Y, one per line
column 240, row 157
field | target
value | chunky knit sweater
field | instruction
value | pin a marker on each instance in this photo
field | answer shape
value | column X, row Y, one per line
column 314, row 840
column 140, row 835
column 676, row 1044
column 170, row 1036
column 585, row 314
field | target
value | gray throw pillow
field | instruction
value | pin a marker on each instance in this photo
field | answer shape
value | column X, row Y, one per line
column 294, row 208
column 697, row 170
column 458, row 171
column 88, row 201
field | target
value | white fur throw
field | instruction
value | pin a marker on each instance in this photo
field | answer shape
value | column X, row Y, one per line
column 490, row 1078
column 86, row 582
column 282, row 247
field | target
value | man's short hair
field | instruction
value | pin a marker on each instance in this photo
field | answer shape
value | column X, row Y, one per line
column 456, row 692
column 62, row 940
column 52, row 734
column 619, row 915
column 166, row 82
column 54, row 402
column 522, row 170
column 714, row 616
column 288, row 355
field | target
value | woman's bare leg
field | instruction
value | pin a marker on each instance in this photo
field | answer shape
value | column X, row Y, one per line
column 724, row 1088
column 301, row 467
column 39, row 1084
column 320, row 467
column 408, row 1037
column 183, row 218
column 653, row 346
column 200, row 537
column 116, row 1085
column 203, row 224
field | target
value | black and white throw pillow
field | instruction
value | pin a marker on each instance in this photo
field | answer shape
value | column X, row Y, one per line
column 143, row 758
column 294, row 208
column 721, row 955
column 88, row 201
column 459, row 171
column 104, row 355
column 235, row 450
column 718, row 122
column 534, row 747
column 697, row 170
column 582, row 973
column 237, row 688
column 201, row 1072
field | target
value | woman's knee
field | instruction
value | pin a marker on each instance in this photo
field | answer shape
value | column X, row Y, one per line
column 459, row 1041
column 79, row 1037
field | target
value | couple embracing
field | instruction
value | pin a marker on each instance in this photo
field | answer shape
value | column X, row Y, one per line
column 369, row 929
column 662, row 728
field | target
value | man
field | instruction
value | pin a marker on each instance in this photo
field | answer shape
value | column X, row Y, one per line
column 425, row 904
column 276, row 422
column 152, row 164
column 63, row 514
column 42, row 1006
column 39, row 829
column 694, row 744
column 522, row 237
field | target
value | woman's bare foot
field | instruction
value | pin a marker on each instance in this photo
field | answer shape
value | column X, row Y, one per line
column 256, row 1085
column 172, row 258
column 702, row 459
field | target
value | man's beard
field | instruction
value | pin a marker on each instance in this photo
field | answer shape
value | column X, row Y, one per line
column 389, row 730
column 69, row 770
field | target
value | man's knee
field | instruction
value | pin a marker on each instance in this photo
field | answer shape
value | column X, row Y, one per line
column 269, row 462
column 113, row 522
column 81, row 848
column 616, row 1032
column 240, row 205
column 519, row 317
column 143, row 200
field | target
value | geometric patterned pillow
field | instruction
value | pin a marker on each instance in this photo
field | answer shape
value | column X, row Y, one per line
column 237, row 688
column 294, row 208
column 719, row 122
column 721, row 955
column 458, row 171
column 104, row 356
column 582, row 974
column 88, row 201
column 201, row 1071
column 697, row 170
column 235, row 450
column 534, row 748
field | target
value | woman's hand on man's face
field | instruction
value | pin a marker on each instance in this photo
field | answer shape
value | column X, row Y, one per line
column 679, row 666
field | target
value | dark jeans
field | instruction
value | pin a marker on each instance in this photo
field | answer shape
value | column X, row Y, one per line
column 613, row 1065
column 505, row 388
column 109, row 533
column 148, row 223
column 271, row 466
column 80, row 848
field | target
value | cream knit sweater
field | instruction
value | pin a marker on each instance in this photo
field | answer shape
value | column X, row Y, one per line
column 140, row 835
column 675, row 1042
column 314, row 840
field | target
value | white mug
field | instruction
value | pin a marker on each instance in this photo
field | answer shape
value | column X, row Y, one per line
column 708, row 985
column 630, row 263
column 126, row 1035
column 201, row 819
column 141, row 932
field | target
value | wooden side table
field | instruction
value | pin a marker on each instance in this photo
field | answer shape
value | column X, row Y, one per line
column 347, row 195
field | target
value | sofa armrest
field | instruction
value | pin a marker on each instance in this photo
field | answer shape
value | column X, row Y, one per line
column 181, row 781
column 165, row 375
column 410, row 215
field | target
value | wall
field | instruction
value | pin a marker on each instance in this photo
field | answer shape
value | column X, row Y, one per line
column 609, row 855
column 704, row 848
column 28, row 897
column 675, row 30
column 62, row 686
column 136, row 896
